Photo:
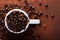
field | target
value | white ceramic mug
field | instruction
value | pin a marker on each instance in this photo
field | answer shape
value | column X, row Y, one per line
column 31, row 21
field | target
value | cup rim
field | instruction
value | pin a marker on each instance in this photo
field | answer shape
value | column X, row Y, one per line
column 27, row 25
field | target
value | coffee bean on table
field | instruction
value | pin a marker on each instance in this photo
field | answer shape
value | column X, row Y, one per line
column 39, row 13
column 46, row 5
column 52, row 15
column 32, row 7
column 44, row 25
column 46, row 15
column 5, row 5
column 40, row 4
column 25, row 1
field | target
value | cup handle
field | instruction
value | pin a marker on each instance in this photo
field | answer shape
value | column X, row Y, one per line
column 34, row 21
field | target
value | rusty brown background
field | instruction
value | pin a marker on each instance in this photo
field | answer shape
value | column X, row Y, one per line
column 52, row 30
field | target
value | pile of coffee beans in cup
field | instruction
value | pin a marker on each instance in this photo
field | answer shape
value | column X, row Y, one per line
column 17, row 21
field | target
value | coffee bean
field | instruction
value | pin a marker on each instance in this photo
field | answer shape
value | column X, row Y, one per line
column 1, row 21
column 46, row 5
column 46, row 15
column 29, row 13
column 6, row 10
column 44, row 25
column 9, row 5
column 17, row 7
column 34, row 35
column 27, row 10
column 39, row 13
column 2, row 28
column 25, row 6
column 25, row 1
column 35, row 17
column 52, row 15
column 40, row 4
column 5, row 5
column 32, row 7
column 6, row 32
column 0, row 10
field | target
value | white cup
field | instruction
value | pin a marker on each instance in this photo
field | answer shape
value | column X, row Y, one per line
column 31, row 21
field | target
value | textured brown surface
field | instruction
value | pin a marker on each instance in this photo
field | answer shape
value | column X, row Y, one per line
column 52, row 29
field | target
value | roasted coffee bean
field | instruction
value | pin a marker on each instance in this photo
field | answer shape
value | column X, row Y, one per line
column 18, row 7
column 9, row 5
column 33, row 35
column 2, row 28
column 46, row 5
column 5, row 5
column 27, row 10
column 26, row 6
column 35, row 17
column 6, row 32
column 0, row 10
column 40, row 4
column 52, row 15
column 1, row 21
column 6, row 10
column 25, row 1
column 46, row 15
column 29, row 13
column 32, row 7
column 39, row 13
column 44, row 25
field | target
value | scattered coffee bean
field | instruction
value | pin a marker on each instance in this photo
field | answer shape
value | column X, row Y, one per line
column 44, row 25
column 46, row 5
column 39, row 14
column 6, row 5
column 40, row 4
column 27, row 10
column 29, row 13
column 1, row 21
column 6, row 32
column 33, row 35
column 2, row 28
column 32, row 7
column 0, row 10
column 25, row 1
column 46, row 14
column 35, row 17
column 52, row 15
